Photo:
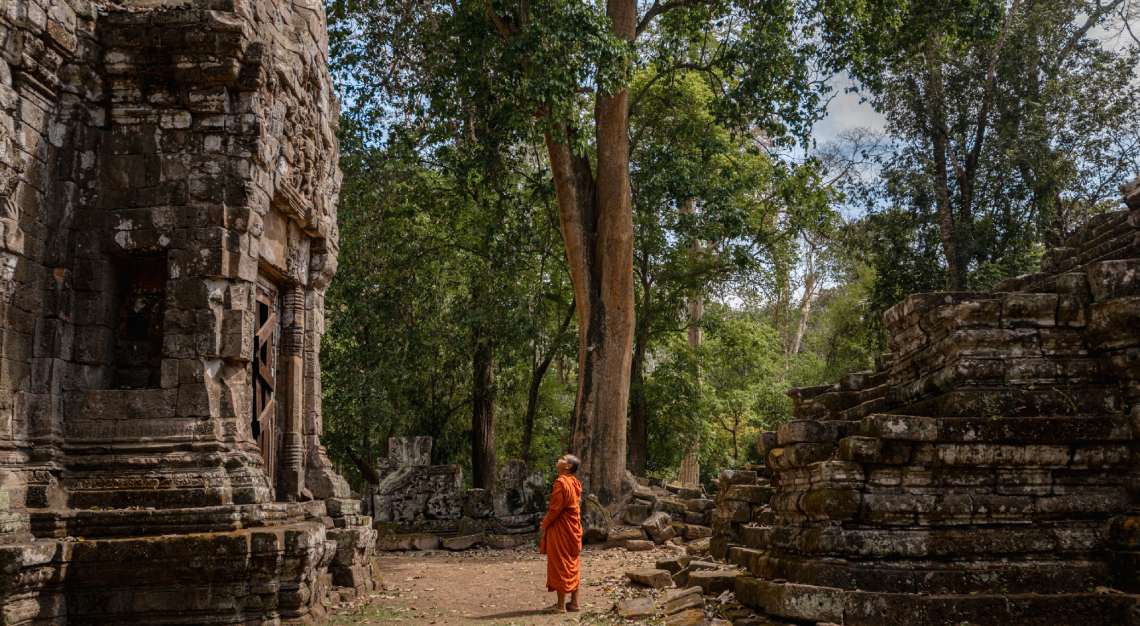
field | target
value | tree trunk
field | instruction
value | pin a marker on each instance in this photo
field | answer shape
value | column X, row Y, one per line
column 735, row 443
column 596, row 217
column 638, row 416
column 689, row 474
column 810, row 278
column 936, row 123
column 483, row 415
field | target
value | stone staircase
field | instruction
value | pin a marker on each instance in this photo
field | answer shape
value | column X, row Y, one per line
column 986, row 472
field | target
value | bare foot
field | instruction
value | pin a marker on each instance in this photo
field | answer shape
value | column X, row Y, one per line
column 573, row 608
column 555, row 608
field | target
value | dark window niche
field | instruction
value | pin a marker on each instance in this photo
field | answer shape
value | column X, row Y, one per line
column 138, row 323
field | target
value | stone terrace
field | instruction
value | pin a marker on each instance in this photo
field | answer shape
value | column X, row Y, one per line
column 985, row 473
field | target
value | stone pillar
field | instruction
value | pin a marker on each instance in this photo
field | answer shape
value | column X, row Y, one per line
column 292, row 478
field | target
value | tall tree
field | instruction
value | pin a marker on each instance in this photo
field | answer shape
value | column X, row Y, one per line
column 1004, row 117
column 561, row 69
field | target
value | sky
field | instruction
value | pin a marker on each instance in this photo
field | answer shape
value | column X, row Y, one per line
column 845, row 112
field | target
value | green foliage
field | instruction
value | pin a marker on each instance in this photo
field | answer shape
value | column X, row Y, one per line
column 449, row 233
column 431, row 259
column 446, row 107
column 1035, row 113
column 841, row 336
column 725, row 391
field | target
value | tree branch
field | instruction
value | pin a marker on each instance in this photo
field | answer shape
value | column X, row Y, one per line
column 501, row 26
column 659, row 8
column 1079, row 34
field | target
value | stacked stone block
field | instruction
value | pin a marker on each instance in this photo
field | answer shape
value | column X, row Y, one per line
column 741, row 502
column 160, row 163
column 984, row 473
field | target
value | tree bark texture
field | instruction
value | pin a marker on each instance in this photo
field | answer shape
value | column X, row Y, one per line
column 483, row 415
column 638, row 411
column 806, row 301
column 596, row 216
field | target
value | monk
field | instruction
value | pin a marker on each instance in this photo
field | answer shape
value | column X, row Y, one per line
column 561, row 540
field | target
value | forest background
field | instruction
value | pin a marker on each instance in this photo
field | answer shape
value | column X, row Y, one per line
column 763, row 254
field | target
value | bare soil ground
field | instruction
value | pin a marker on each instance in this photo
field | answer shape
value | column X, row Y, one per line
column 494, row 587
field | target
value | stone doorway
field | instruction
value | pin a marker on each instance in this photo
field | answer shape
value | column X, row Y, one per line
column 264, row 410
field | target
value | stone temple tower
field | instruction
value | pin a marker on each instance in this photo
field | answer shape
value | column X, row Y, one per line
column 168, row 179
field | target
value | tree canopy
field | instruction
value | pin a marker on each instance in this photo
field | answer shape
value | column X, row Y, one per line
column 544, row 198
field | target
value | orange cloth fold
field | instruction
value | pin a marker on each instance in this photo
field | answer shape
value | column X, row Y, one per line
column 562, row 535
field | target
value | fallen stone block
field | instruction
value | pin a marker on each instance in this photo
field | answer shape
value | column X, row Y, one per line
column 644, row 492
column 688, row 493
column 702, row 518
column 638, row 545
column 677, row 600
column 696, row 531
column 637, row 512
column 392, row 543
column 650, row 577
column 626, row 533
column 659, row 527
column 674, row 564
column 698, row 547
column 507, row 541
column 672, row 506
column 700, row 504
column 463, row 542
column 688, row 617
column 736, row 477
column 741, row 556
column 713, row 581
column 409, row 541
column 636, row 608
column 425, row 542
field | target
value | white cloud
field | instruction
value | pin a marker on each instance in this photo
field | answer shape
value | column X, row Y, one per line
column 845, row 112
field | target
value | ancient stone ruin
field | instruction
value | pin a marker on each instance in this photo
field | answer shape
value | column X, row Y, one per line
column 420, row 506
column 168, row 176
column 986, row 473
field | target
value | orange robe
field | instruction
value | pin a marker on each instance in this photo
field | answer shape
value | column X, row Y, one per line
column 562, row 536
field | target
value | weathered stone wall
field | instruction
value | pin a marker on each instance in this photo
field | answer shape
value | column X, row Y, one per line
column 985, row 473
column 420, row 506
column 167, row 168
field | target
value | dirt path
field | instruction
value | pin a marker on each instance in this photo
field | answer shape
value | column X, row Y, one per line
column 493, row 587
